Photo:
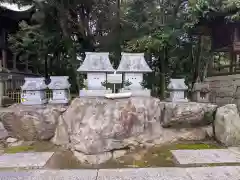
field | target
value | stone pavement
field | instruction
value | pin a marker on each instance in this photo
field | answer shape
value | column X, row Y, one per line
column 207, row 156
column 196, row 173
column 25, row 160
column 187, row 157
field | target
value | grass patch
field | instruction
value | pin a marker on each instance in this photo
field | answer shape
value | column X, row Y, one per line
column 195, row 146
column 18, row 149
column 35, row 147
column 158, row 156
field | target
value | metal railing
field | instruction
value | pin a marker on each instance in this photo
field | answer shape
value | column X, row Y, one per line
column 15, row 95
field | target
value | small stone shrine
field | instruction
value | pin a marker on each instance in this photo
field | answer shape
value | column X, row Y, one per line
column 60, row 90
column 133, row 65
column 177, row 88
column 201, row 92
column 96, row 65
column 33, row 91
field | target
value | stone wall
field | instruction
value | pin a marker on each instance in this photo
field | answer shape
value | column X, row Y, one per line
column 224, row 89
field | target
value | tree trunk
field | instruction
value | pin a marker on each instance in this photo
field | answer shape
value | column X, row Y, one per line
column 46, row 66
column 163, row 73
column 196, row 74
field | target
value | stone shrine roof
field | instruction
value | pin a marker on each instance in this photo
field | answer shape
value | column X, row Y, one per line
column 34, row 84
column 59, row 82
column 201, row 87
column 133, row 62
column 96, row 62
column 177, row 84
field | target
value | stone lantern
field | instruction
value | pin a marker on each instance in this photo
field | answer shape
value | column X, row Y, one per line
column 201, row 92
column 177, row 89
column 33, row 91
column 96, row 65
column 60, row 90
column 133, row 65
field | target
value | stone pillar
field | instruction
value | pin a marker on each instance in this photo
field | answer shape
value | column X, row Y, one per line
column 4, row 51
column 3, row 80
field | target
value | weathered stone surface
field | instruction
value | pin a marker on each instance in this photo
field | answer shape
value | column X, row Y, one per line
column 94, row 127
column 227, row 125
column 193, row 134
column 3, row 132
column 118, row 153
column 93, row 159
column 61, row 136
column 209, row 131
column 49, row 174
column 187, row 114
column 11, row 140
column 14, row 144
column 214, row 173
column 100, row 125
column 199, row 173
column 205, row 156
column 143, row 174
column 65, row 175
column 31, row 122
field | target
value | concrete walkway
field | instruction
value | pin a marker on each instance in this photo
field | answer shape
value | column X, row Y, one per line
column 196, row 173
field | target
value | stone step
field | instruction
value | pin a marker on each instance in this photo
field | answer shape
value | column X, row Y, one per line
column 25, row 160
column 199, row 173
column 206, row 156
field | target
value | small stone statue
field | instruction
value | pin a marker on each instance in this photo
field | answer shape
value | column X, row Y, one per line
column 201, row 92
column 177, row 88
column 33, row 91
column 60, row 90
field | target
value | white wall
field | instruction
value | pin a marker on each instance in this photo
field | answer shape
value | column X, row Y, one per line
column 95, row 80
column 135, row 79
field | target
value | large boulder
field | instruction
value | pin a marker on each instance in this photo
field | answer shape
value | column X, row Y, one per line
column 227, row 125
column 3, row 132
column 61, row 136
column 187, row 114
column 31, row 122
column 100, row 125
column 93, row 126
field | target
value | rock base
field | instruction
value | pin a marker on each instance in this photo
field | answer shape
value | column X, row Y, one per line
column 98, row 129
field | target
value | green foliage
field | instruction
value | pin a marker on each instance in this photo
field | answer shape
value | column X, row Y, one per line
column 212, row 8
column 61, row 30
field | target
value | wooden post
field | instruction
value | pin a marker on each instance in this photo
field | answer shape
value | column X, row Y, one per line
column 4, row 48
column 2, row 90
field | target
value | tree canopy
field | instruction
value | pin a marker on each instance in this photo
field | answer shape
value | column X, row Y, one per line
column 60, row 31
